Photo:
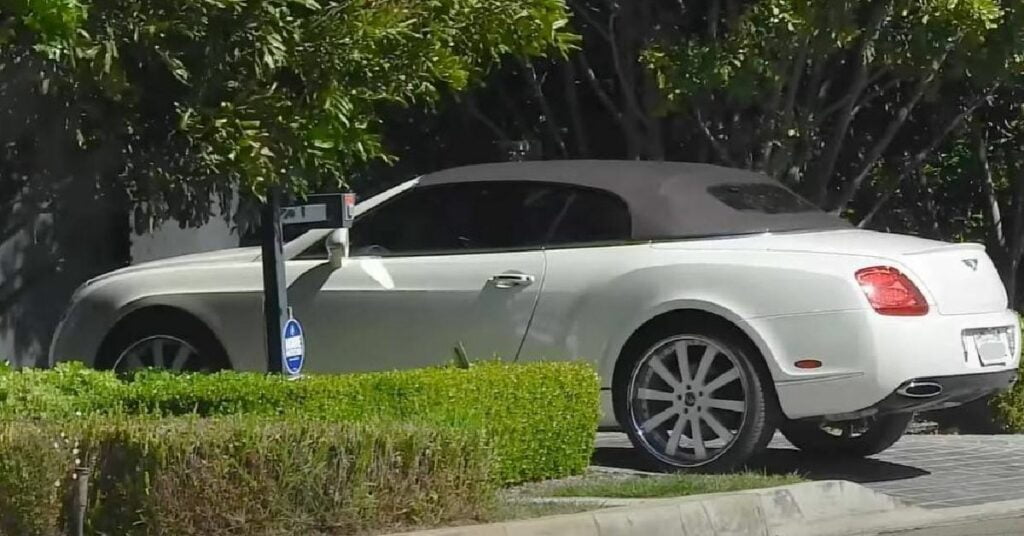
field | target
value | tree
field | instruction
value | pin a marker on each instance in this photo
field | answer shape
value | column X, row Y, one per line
column 247, row 93
column 819, row 94
column 973, row 188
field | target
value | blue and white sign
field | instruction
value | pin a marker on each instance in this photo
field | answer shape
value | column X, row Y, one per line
column 294, row 347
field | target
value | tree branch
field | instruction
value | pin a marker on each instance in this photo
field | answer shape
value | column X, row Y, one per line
column 788, row 102
column 627, row 87
column 568, row 69
column 595, row 84
column 845, row 99
column 1017, row 239
column 875, row 93
column 714, row 12
column 716, row 144
column 474, row 110
column 549, row 115
column 822, row 174
column 581, row 9
column 921, row 156
column 988, row 187
column 513, row 107
column 864, row 222
column 876, row 152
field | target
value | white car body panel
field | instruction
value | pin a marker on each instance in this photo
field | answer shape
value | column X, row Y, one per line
column 401, row 312
column 793, row 294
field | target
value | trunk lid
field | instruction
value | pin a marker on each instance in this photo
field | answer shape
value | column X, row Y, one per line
column 961, row 278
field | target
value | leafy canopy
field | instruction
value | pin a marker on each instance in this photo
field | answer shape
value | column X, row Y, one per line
column 250, row 93
column 820, row 93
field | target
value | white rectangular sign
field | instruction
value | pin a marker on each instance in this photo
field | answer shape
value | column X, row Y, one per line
column 303, row 214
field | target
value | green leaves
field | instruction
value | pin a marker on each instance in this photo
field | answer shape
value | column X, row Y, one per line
column 258, row 475
column 55, row 24
column 820, row 94
column 905, row 35
column 248, row 93
column 540, row 418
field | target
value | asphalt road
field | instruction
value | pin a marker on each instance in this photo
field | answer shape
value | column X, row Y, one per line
column 991, row 527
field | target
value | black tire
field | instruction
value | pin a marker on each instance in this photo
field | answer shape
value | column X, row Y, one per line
column 760, row 406
column 880, row 434
column 168, row 323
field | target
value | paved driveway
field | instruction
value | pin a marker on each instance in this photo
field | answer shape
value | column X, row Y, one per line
column 933, row 471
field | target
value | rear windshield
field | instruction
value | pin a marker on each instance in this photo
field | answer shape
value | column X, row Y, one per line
column 760, row 197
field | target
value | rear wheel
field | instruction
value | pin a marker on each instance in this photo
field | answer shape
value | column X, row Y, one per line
column 853, row 439
column 163, row 339
column 694, row 399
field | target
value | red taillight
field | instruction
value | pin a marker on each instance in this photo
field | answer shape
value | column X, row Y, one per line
column 891, row 293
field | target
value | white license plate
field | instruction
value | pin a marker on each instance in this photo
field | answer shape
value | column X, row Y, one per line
column 992, row 347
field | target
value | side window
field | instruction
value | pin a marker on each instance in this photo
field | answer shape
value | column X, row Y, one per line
column 461, row 217
column 592, row 216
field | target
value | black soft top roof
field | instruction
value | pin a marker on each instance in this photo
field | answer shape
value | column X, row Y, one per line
column 665, row 199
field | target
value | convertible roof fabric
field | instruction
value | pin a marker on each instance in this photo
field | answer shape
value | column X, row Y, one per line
column 668, row 200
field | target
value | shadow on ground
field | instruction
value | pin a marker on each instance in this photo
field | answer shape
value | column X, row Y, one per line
column 782, row 461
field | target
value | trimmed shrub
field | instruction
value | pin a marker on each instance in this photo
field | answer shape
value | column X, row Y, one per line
column 1009, row 408
column 539, row 418
column 242, row 475
column 66, row 390
column 34, row 469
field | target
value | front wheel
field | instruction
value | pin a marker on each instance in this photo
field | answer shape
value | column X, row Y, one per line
column 164, row 340
column 854, row 439
column 694, row 399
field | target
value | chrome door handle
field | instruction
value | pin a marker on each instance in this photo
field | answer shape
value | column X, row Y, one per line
column 512, row 280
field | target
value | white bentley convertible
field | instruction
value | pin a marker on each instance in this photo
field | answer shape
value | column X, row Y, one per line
column 716, row 304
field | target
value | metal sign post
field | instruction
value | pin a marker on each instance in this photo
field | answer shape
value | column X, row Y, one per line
column 275, row 292
column 285, row 339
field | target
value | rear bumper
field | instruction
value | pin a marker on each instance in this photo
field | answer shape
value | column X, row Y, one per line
column 868, row 357
column 952, row 391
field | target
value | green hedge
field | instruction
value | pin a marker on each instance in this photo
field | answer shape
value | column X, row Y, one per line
column 240, row 475
column 539, row 418
column 1008, row 407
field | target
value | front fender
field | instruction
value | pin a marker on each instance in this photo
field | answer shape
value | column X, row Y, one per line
column 225, row 298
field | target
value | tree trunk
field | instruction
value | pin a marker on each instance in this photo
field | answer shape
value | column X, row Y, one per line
column 579, row 132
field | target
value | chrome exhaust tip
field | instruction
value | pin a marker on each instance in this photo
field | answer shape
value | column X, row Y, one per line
column 920, row 389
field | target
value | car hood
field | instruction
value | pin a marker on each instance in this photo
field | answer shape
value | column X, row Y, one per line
column 250, row 254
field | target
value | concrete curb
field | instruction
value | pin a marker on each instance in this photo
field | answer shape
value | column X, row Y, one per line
column 905, row 519
column 748, row 513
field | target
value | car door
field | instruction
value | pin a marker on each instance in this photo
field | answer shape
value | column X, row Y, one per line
column 586, row 252
column 434, row 268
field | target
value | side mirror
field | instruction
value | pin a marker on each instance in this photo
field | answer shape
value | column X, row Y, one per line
column 337, row 247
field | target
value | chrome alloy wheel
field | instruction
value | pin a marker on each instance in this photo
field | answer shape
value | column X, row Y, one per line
column 160, row 351
column 687, row 400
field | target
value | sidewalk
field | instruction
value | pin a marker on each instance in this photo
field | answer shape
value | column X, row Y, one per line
column 826, row 508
